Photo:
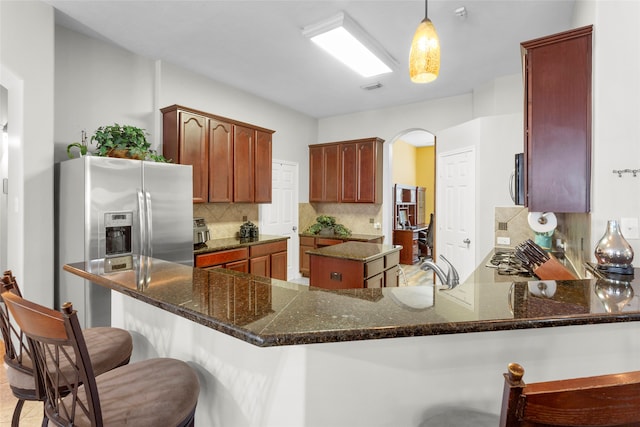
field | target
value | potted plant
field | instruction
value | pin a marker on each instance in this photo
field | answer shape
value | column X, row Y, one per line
column 124, row 141
column 326, row 226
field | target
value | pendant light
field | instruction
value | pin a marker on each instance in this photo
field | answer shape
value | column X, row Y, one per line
column 424, row 59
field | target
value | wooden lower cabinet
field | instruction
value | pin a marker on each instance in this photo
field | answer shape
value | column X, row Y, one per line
column 279, row 265
column 340, row 273
column 242, row 266
column 266, row 260
column 408, row 239
column 314, row 242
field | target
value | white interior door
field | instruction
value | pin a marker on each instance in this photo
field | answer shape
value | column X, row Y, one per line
column 455, row 211
column 280, row 218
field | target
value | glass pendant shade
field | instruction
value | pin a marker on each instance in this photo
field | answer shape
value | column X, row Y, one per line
column 613, row 249
column 424, row 58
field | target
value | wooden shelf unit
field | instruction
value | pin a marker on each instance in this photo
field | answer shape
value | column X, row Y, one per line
column 408, row 205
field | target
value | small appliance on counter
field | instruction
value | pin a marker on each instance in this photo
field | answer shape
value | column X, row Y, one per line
column 200, row 232
column 543, row 225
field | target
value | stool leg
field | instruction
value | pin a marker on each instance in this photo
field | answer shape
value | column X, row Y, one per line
column 15, row 421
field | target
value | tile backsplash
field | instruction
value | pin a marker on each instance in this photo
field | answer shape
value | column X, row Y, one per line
column 355, row 216
column 574, row 231
column 225, row 219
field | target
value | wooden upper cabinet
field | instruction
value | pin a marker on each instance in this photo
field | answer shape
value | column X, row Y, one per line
column 346, row 172
column 243, row 164
column 558, row 121
column 186, row 140
column 220, row 161
column 231, row 160
column 263, row 166
column 324, row 173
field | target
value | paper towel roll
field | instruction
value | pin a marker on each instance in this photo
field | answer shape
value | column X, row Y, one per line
column 548, row 219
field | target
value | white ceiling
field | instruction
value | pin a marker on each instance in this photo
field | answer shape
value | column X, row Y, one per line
column 258, row 46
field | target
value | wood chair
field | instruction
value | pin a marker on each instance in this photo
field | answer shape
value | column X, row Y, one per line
column 108, row 348
column 605, row 400
column 155, row 392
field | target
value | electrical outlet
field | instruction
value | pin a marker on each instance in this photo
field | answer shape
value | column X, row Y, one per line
column 377, row 226
column 504, row 240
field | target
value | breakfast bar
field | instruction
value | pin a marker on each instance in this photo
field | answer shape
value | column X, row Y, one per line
column 389, row 356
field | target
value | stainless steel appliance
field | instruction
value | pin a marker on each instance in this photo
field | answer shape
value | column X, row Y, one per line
column 114, row 210
column 200, row 232
column 516, row 184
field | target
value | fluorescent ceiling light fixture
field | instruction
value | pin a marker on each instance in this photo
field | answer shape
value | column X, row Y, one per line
column 346, row 41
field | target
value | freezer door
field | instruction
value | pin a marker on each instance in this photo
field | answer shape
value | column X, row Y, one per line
column 169, row 200
column 111, row 187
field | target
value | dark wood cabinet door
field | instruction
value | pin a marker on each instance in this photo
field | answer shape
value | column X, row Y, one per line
column 324, row 173
column 304, row 260
column 558, row 122
column 193, row 143
column 220, row 161
column 262, row 161
column 279, row 266
column 241, row 266
column 349, row 172
column 366, row 170
column 316, row 174
column 243, row 164
column 260, row 266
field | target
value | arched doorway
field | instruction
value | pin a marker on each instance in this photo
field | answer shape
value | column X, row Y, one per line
column 411, row 162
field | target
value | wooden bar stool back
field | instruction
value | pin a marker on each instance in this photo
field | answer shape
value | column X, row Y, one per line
column 108, row 348
column 605, row 400
column 155, row 392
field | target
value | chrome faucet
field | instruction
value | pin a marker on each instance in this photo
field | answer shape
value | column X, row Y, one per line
column 451, row 279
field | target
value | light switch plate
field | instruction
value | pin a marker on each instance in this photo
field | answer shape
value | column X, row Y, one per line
column 629, row 228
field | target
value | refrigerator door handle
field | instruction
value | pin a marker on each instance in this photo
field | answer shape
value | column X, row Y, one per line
column 149, row 224
column 143, row 226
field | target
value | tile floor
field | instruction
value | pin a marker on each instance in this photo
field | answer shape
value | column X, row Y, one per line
column 32, row 412
column 31, row 415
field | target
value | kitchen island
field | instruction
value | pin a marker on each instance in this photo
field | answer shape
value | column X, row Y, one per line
column 270, row 352
column 353, row 265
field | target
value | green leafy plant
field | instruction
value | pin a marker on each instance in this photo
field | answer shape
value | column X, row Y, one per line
column 124, row 141
column 82, row 149
column 324, row 222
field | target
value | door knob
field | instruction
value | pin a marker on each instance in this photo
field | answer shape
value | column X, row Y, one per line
column 467, row 241
column 294, row 228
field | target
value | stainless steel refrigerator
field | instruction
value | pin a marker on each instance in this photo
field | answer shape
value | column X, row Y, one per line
column 111, row 211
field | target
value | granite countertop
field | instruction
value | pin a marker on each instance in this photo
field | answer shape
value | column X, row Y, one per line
column 352, row 237
column 357, row 251
column 268, row 312
column 223, row 244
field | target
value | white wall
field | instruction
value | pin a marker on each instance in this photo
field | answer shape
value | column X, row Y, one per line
column 99, row 84
column 616, row 110
column 26, row 70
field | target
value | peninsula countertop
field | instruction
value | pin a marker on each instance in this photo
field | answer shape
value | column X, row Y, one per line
column 268, row 312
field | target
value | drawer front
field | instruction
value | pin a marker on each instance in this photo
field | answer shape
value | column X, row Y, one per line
column 391, row 277
column 392, row 259
column 374, row 267
column 267, row 248
column 307, row 241
column 320, row 241
column 221, row 257
column 375, row 281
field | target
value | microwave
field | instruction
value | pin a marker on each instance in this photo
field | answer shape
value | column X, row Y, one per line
column 516, row 184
